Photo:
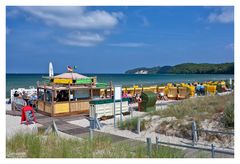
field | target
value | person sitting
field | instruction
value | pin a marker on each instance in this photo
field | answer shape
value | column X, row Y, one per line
column 224, row 88
column 202, row 89
column 162, row 96
column 32, row 100
column 16, row 94
column 25, row 96
column 124, row 95
column 137, row 97
column 102, row 96
column 130, row 97
column 198, row 89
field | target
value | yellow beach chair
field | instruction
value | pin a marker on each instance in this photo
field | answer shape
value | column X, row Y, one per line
column 130, row 91
column 211, row 89
column 182, row 93
column 161, row 90
column 172, row 93
column 165, row 90
column 192, row 90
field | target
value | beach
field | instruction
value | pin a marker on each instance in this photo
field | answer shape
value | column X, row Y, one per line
column 14, row 127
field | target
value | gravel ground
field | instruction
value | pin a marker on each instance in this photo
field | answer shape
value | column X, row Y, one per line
column 14, row 126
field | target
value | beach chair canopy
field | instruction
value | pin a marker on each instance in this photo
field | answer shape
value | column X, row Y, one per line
column 70, row 75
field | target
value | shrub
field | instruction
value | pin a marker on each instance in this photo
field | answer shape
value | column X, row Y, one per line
column 228, row 115
column 131, row 124
column 219, row 88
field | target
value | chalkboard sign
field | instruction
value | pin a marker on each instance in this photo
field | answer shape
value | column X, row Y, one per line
column 28, row 115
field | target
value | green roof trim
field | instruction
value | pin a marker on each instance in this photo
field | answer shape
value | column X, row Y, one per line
column 101, row 85
column 84, row 81
column 105, row 101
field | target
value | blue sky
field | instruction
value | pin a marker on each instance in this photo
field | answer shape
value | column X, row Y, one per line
column 115, row 39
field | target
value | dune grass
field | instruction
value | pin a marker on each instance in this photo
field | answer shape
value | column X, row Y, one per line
column 131, row 124
column 51, row 146
column 201, row 108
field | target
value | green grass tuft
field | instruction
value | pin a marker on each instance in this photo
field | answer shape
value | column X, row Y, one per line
column 51, row 146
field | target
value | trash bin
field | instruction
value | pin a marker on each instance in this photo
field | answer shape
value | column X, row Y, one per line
column 148, row 102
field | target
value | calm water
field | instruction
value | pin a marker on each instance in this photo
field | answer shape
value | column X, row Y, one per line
column 26, row 80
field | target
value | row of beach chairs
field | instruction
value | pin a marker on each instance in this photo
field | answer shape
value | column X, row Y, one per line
column 185, row 92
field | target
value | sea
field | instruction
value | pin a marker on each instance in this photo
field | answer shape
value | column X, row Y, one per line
column 26, row 80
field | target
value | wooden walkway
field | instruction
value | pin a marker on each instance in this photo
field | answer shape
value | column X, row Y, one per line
column 64, row 126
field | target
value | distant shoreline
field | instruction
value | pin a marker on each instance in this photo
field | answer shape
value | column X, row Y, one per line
column 186, row 68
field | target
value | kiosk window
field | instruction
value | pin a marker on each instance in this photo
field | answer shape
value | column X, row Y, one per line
column 81, row 94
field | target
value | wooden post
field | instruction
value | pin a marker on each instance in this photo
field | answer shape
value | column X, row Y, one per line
column 105, row 93
column 53, row 95
column 44, row 97
column 110, row 89
column 37, row 96
column 69, row 100
column 91, row 90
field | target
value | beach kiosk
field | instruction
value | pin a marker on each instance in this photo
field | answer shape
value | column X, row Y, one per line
column 69, row 93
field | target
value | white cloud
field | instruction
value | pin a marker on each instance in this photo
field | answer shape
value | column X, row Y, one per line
column 81, row 27
column 129, row 44
column 82, row 39
column 225, row 15
column 75, row 17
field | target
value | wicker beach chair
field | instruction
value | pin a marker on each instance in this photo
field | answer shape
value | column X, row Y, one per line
column 161, row 93
column 192, row 90
column 172, row 93
column 212, row 89
column 182, row 93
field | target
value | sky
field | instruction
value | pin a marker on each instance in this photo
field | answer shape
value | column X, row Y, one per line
column 115, row 39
